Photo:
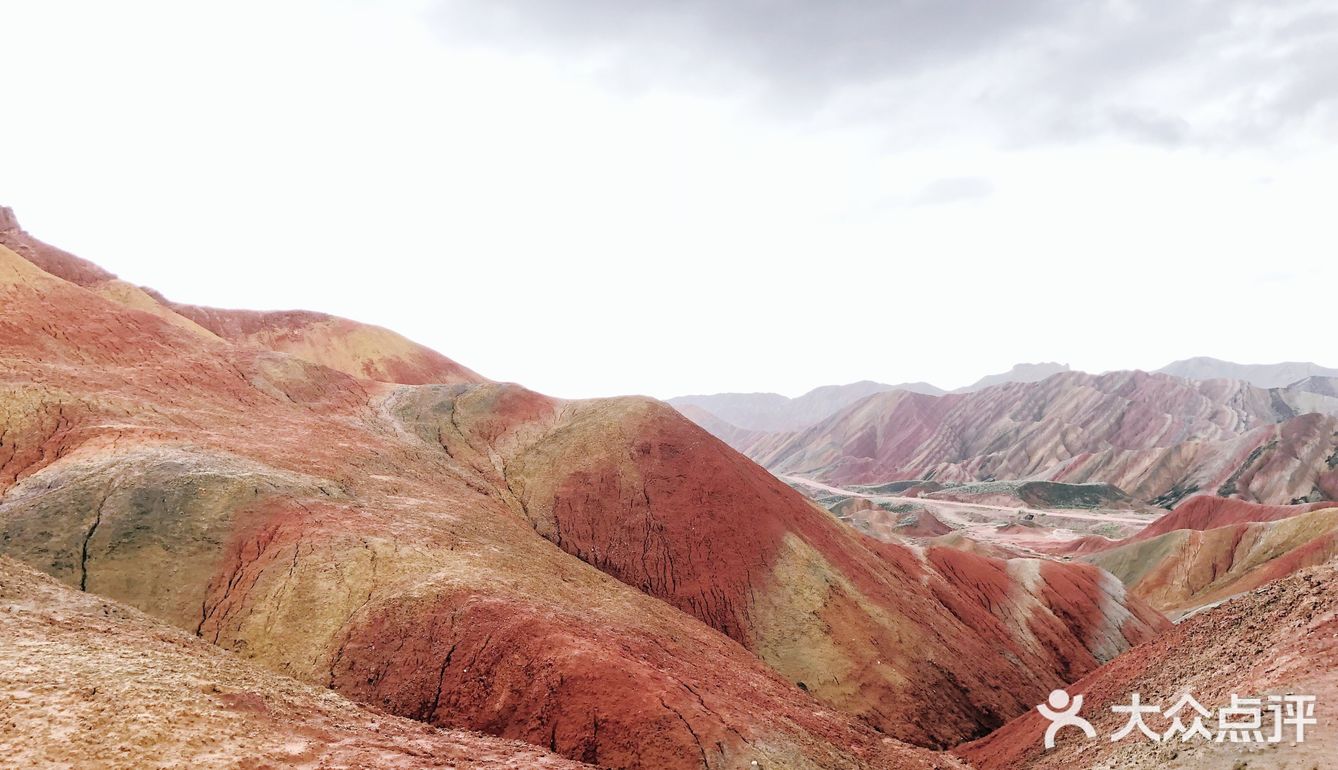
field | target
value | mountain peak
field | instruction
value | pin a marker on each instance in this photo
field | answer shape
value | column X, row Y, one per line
column 7, row 219
column 1019, row 373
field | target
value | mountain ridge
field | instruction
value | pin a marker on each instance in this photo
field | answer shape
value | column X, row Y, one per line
column 1154, row 436
column 1277, row 375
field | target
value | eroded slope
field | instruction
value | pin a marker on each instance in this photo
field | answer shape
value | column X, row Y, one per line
column 89, row 682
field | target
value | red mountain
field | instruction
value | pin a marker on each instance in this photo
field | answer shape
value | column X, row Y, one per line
column 1204, row 512
column 600, row 578
column 1212, row 548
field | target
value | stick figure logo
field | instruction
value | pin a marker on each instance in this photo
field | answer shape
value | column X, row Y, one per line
column 1063, row 712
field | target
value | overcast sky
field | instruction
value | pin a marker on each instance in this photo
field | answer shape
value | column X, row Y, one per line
column 594, row 197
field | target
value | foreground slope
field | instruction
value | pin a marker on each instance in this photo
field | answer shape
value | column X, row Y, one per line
column 89, row 682
column 1276, row 640
column 288, row 511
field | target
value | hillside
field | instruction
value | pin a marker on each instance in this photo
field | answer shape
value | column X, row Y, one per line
column 600, row 578
column 1203, row 512
column 273, row 506
column 1275, row 640
column 89, row 682
column 1185, row 569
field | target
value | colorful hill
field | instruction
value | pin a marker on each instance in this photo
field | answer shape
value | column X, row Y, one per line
column 602, row 578
column 1185, row 569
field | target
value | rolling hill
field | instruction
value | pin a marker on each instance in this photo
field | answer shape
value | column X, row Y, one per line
column 602, row 579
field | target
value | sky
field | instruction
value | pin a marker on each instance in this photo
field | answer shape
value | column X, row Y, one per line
column 598, row 197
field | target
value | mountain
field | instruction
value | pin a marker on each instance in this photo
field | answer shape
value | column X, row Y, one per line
column 354, row 348
column 1258, row 375
column 602, row 578
column 1319, row 386
column 1274, row 640
column 1185, row 569
column 1156, row 437
column 771, row 412
column 1313, row 394
column 730, row 434
column 295, row 514
column 122, row 690
column 750, row 414
column 1019, row 373
column 1204, row 512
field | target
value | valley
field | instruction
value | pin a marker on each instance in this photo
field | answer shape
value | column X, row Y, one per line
column 1023, row 530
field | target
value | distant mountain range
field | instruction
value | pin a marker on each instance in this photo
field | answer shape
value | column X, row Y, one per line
column 772, row 412
column 1157, row 437
column 1259, row 375
column 735, row 415
column 1019, row 373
